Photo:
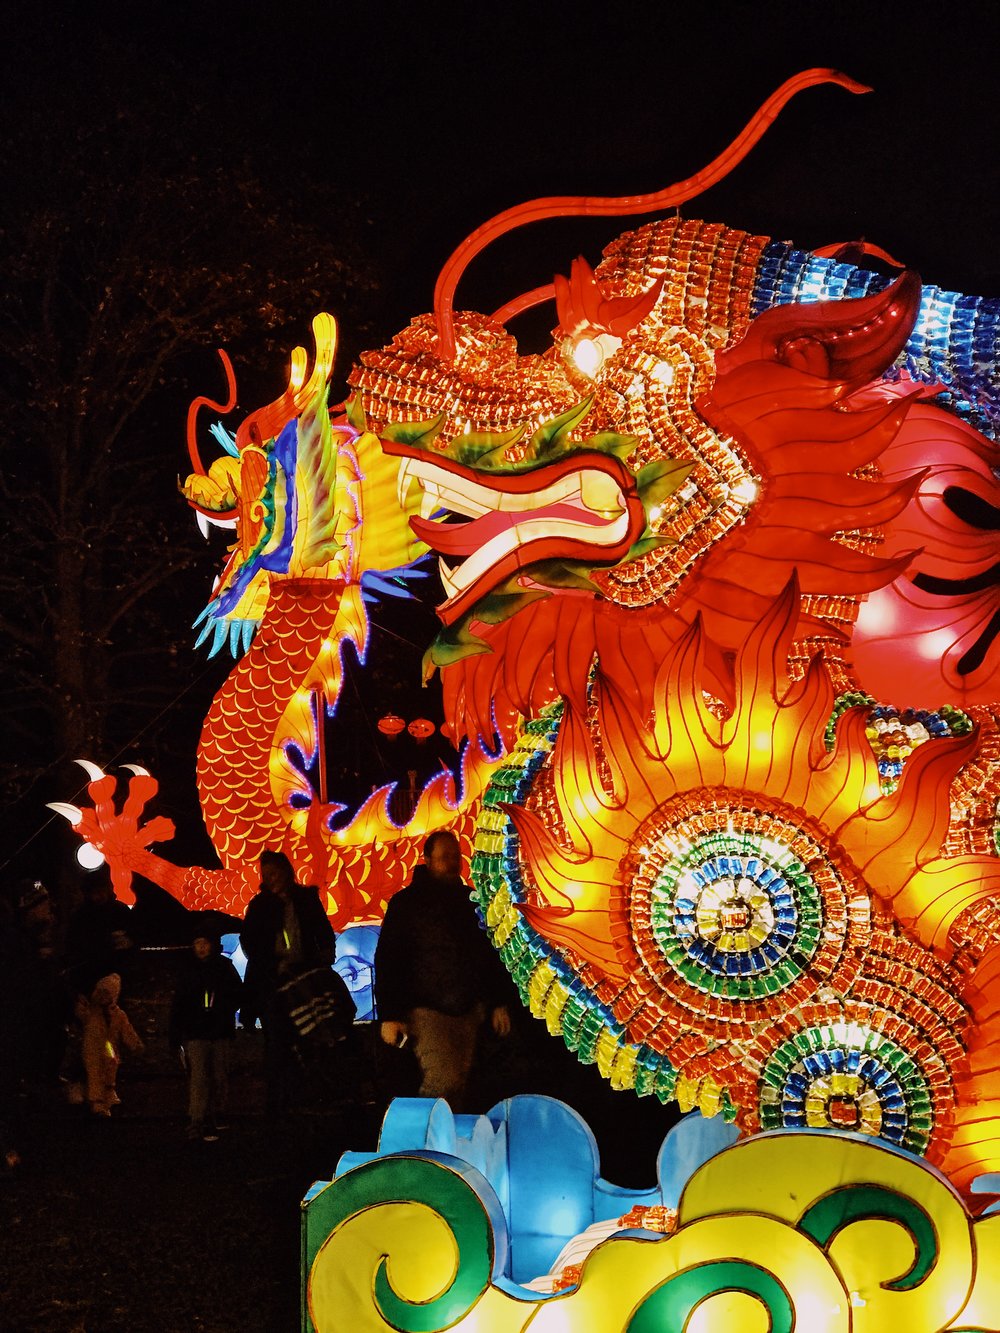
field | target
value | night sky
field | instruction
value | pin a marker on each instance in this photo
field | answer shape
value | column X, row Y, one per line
column 443, row 115
column 439, row 117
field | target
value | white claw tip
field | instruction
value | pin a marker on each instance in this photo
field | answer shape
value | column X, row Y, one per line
column 71, row 812
column 92, row 770
column 137, row 769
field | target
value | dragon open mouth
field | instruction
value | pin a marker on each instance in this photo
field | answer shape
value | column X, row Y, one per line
column 584, row 509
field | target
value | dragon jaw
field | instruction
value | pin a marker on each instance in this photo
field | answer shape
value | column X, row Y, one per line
column 584, row 507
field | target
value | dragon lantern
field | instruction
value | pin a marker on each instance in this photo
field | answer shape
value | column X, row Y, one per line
column 718, row 650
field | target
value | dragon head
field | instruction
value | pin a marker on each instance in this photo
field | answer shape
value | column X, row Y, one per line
column 601, row 510
column 293, row 486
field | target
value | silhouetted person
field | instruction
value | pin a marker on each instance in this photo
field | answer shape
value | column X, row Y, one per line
column 286, row 932
column 100, row 938
column 437, row 977
column 34, row 1008
column 202, row 1027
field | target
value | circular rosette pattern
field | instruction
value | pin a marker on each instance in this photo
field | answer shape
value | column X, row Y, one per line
column 826, row 1078
column 739, row 913
column 884, row 1067
column 569, row 997
column 681, row 894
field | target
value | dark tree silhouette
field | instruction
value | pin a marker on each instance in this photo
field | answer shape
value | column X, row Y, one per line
column 131, row 251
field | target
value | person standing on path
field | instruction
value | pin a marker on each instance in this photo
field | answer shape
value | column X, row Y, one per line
column 106, row 1033
column 285, row 933
column 438, row 980
column 202, row 1027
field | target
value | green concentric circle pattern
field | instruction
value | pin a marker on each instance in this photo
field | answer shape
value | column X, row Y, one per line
column 847, row 1076
column 734, row 913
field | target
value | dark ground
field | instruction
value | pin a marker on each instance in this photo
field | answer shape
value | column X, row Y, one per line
column 123, row 1226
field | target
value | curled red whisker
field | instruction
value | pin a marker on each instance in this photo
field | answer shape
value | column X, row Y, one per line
column 199, row 403
column 537, row 210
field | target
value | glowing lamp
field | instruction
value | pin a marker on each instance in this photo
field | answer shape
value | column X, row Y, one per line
column 670, row 823
column 587, row 357
column 89, row 856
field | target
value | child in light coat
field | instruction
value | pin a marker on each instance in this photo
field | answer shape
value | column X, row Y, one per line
column 106, row 1031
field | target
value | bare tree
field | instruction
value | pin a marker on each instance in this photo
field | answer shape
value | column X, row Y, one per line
column 130, row 252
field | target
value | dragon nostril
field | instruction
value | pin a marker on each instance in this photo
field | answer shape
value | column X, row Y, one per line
column 806, row 354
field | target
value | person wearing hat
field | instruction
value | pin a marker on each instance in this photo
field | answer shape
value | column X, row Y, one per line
column 202, row 1027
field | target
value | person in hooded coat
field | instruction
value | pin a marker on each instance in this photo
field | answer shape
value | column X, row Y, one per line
column 106, row 1033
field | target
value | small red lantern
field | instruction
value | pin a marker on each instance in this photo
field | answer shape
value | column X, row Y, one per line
column 391, row 725
column 420, row 728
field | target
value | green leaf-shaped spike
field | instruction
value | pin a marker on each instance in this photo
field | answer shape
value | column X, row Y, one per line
column 563, row 574
column 661, row 478
column 654, row 542
column 550, row 437
column 356, row 413
column 484, row 449
column 452, row 645
column 458, row 641
column 419, row 433
column 610, row 442
column 500, row 605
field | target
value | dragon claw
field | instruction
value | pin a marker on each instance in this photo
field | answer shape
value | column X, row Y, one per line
column 113, row 828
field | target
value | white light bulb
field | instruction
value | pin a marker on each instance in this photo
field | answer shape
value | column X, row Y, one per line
column 587, row 357
column 89, row 856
